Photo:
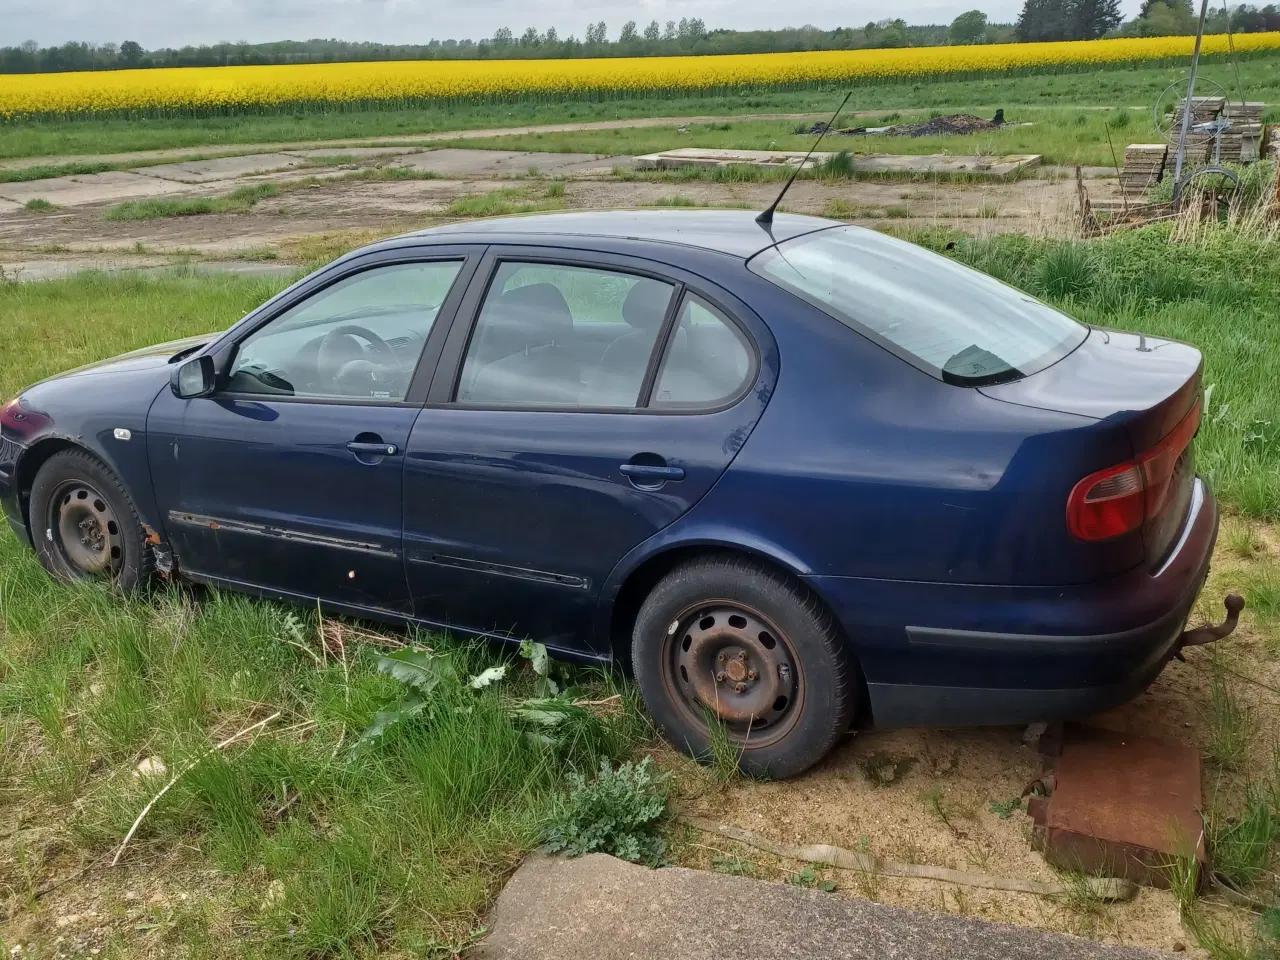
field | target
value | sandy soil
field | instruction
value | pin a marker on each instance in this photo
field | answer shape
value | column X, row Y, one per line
column 389, row 207
column 935, row 809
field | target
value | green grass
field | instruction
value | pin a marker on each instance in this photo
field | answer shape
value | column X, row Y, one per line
column 53, row 326
column 39, row 205
column 46, row 171
column 396, row 844
column 502, row 203
column 1137, row 86
column 1061, row 134
column 240, row 200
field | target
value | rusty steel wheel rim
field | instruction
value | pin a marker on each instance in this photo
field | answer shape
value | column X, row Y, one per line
column 84, row 531
column 726, row 660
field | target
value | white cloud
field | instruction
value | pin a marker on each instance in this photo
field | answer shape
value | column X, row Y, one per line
column 155, row 23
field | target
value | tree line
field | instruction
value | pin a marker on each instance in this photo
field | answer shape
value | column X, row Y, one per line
column 1040, row 20
column 1043, row 20
column 686, row 37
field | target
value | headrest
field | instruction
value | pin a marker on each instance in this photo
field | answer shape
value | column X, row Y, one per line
column 538, row 309
column 646, row 304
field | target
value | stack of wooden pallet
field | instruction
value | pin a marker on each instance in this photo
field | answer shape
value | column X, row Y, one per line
column 1143, row 167
column 1242, row 140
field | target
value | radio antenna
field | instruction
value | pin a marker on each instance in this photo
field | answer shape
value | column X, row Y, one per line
column 766, row 217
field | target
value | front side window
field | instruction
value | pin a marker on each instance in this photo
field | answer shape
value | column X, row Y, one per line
column 958, row 324
column 358, row 339
column 553, row 335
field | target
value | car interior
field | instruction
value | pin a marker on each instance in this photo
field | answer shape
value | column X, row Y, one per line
column 546, row 336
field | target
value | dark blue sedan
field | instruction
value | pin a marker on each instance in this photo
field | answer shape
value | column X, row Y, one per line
column 796, row 475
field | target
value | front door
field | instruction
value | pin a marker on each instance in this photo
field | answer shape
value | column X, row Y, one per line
column 290, row 479
column 594, row 403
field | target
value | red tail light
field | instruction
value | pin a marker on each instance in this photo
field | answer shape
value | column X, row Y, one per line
column 1121, row 498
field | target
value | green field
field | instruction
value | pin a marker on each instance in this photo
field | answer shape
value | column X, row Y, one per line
column 1134, row 87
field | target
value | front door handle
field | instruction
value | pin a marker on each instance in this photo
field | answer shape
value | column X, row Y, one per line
column 645, row 471
column 368, row 449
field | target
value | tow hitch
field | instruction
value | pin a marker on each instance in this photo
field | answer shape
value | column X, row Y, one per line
column 1201, row 635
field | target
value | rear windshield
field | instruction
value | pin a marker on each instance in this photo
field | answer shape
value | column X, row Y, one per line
column 953, row 322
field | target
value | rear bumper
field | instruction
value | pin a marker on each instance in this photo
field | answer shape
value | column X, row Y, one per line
column 976, row 655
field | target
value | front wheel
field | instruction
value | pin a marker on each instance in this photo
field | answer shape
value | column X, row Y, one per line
column 726, row 640
column 84, row 524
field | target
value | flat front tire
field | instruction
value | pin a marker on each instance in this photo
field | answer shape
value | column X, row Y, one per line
column 84, row 524
column 725, row 640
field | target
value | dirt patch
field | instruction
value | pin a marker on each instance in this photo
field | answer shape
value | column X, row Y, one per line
column 1037, row 207
column 947, row 797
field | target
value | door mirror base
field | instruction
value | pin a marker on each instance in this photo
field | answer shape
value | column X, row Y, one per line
column 195, row 378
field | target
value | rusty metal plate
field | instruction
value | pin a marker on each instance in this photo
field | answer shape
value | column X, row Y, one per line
column 1120, row 805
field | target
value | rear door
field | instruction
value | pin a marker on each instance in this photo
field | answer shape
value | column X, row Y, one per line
column 584, row 401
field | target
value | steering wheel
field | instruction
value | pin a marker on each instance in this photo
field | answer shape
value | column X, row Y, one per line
column 335, row 350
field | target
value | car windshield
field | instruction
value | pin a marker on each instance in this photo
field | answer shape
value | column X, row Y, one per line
column 952, row 321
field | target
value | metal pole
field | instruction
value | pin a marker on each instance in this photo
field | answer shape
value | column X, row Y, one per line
column 1186, row 110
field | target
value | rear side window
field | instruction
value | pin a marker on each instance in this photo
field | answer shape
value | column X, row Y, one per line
column 954, row 322
column 552, row 335
column 707, row 362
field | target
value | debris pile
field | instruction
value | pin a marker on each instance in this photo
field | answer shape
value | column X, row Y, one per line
column 960, row 124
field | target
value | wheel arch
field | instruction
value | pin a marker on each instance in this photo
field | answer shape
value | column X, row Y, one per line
column 644, row 572
column 29, row 465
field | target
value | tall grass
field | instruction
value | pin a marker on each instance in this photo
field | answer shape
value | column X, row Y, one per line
column 395, row 844
column 240, row 200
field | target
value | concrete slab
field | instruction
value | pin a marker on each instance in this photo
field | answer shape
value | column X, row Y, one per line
column 356, row 153
column 1004, row 167
column 597, row 167
column 205, row 171
column 90, row 188
column 455, row 162
column 709, row 157
column 55, row 268
column 26, row 271
column 9, row 206
column 1000, row 168
column 601, row 908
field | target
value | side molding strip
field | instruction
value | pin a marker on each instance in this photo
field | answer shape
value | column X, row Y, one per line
column 500, row 569
column 277, row 533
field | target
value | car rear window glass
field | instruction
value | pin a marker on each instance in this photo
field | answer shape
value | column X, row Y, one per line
column 952, row 321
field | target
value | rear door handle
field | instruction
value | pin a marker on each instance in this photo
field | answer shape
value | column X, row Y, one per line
column 644, row 471
column 362, row 449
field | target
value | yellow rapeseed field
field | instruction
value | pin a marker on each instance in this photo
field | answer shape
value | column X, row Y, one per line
column 206, row 90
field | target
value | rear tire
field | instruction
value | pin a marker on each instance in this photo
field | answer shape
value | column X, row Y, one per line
column 728, row 638
column 84, row 524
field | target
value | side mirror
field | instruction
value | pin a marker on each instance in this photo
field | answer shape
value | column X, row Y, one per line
column 194, row 378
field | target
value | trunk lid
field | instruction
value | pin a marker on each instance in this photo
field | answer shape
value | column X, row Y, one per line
column 1147, row 385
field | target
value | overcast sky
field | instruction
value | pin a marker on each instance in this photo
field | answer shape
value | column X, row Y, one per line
column 161, row 23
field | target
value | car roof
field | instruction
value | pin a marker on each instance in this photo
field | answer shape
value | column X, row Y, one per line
column 732, row 232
